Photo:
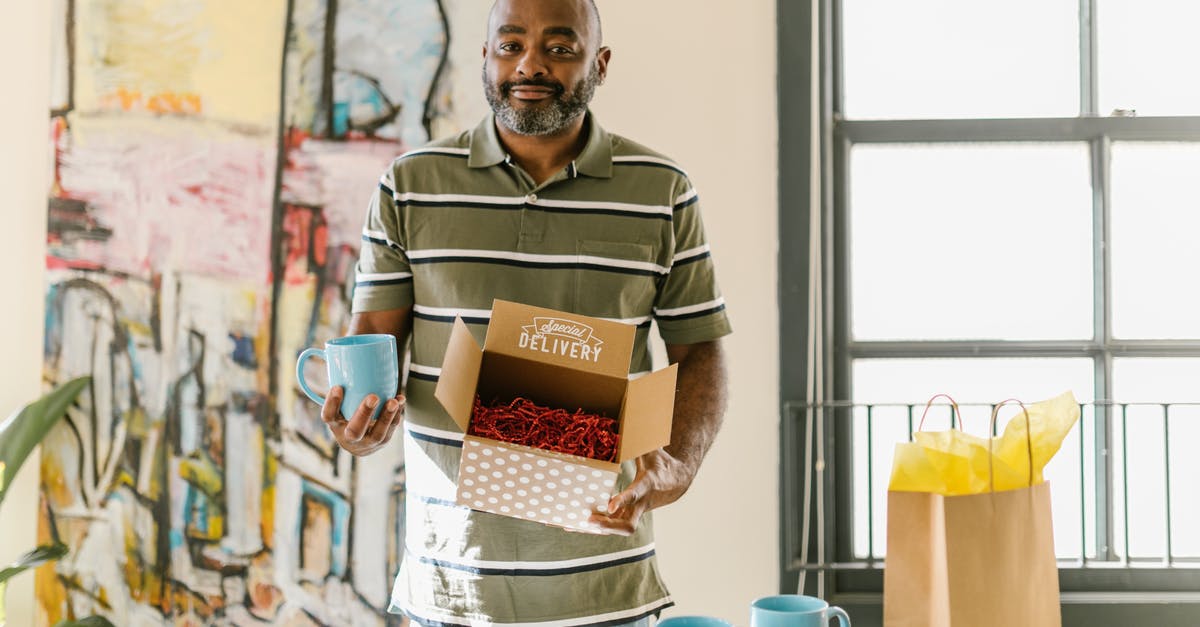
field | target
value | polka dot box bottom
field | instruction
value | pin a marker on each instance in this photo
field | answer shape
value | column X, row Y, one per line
column 522, row 482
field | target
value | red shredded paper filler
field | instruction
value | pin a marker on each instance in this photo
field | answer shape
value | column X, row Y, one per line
column 522, row 421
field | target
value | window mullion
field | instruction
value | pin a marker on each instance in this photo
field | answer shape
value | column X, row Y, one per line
column 969, row 348
column 1089, row 97
column 1101, row 149
column 951, row 349
column 1079, row 129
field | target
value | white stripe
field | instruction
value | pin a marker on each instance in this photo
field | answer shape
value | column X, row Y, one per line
column 437, row 151
column 492, row 200
column 446, row 504
column 650, row 159
column 678, row 311
column 689, row 253
column 429, row 370
column 380, row 235
column 477, row 621
column 535, row 258
column 523, row 565
column 514, row 201
column 615, row 206
column 633, row 321
column 452, row 312
column 638, row 375
column 436, row 433
column 426, row 473
column 686, row 196
column 385, row 276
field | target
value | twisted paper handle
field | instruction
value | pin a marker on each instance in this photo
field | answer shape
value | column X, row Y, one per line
column 991, row 437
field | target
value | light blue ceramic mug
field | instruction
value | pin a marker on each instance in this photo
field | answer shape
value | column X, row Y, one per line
column 794, row 610
column 361, row 364
column 692, row 621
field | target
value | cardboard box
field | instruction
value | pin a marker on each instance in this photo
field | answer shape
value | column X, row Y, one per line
column 559, row 360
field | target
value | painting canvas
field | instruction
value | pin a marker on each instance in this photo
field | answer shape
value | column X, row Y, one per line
column 212, row 160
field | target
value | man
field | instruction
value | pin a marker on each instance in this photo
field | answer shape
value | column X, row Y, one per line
column 539, row 205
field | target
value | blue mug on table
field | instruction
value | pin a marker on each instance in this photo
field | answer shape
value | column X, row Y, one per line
column 361, row 364
column 794, row 610
column 692, row 621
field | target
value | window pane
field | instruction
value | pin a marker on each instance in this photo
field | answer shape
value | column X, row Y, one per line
column 1155, row 219
column 955, row 59
column 1147, row 56
column 982, row 381
column 1140, row 457
column 970, row 241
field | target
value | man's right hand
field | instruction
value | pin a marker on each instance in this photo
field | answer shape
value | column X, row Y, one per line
column 360, row 436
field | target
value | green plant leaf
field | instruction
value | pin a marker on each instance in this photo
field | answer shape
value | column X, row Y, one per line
column 90, row 621
column 26, row 427
column 33, row 559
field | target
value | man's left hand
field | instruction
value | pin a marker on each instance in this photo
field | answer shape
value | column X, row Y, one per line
column 660, row 480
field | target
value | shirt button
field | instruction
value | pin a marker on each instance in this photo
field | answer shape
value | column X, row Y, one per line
column 531, row 198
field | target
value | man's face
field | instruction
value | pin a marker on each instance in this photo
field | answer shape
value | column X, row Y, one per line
column 541, row 64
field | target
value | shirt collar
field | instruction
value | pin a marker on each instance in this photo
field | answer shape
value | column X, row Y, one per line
column 486, row 149
column 597, row 156
column 595, row 160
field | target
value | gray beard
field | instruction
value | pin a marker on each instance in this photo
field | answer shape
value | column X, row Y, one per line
column 551, row 119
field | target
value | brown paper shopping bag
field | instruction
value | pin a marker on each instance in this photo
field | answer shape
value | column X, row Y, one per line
column 978, row 560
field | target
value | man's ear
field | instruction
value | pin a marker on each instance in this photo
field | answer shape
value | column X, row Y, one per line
column 603, row 56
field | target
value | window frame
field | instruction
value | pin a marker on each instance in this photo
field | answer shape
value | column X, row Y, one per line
column 814, row 139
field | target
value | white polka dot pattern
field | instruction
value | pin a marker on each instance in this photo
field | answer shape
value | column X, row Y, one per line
column 546, row 488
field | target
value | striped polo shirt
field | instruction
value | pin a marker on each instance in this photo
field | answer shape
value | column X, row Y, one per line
column 617, row 235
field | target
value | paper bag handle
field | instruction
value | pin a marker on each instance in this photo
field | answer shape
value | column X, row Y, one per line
column 954, row 411
column 992, row 436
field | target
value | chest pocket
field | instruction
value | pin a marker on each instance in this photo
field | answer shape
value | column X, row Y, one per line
column 620, row 280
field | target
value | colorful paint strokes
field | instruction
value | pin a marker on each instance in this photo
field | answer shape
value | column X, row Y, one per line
column 212, row 161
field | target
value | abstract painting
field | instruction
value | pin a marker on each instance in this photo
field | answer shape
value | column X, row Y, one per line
column 212, row 160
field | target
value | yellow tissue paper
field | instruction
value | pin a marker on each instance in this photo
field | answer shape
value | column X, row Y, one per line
column 953, row 463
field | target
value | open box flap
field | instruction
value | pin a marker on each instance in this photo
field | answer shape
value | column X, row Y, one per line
column 554, row 337
column 649, row 407
column 460, row 372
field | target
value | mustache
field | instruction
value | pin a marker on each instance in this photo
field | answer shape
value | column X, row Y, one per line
column 508, row 86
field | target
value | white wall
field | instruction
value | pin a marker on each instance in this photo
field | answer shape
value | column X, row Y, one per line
column 693, row 80
column 24, row 150
column 697, row 82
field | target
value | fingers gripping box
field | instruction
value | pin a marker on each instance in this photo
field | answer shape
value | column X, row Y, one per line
column 561, row 360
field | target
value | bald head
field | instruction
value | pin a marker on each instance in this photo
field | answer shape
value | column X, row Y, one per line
column 586, row 7
column 542, row 63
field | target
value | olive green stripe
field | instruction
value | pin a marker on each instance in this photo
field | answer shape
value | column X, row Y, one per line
column 554, row 544
column 430, row 338
column 540, row 599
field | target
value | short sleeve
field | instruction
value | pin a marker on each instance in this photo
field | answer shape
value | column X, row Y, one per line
column 689, row 307
column 383, row 279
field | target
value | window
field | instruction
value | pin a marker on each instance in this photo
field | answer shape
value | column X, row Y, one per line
column 1004, row 202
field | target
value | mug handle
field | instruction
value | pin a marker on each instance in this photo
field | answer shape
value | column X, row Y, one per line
column 309, row 352
column 843, row 618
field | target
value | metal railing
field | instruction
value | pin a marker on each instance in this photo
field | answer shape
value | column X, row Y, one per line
column 1127, row 467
